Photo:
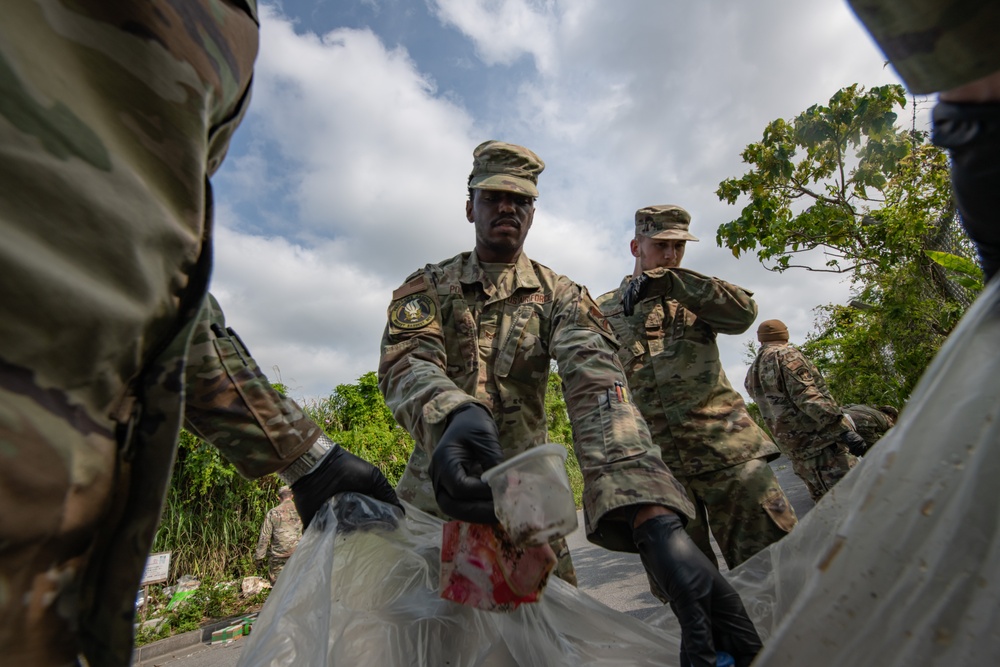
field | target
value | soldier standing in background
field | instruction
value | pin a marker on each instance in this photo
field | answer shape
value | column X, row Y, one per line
column 667, row 319
column 806, row 422
column 871, row 423
column 114, row 114
column 279, row 535
column 464, row 367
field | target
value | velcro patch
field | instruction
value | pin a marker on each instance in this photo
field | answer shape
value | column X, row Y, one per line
column 413, row 312
column 412, row 287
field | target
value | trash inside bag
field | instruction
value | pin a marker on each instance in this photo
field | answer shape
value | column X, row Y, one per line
column 482, row 567
column 363, row 589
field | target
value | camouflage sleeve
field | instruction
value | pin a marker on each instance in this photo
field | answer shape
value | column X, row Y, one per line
column 412, row 365
column 727, row 308
column 807, row 389
column 935, row 45
column 621, row 466
column 265, row 538
column 230, row 404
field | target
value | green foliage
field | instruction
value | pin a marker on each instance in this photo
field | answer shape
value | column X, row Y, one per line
column 851, row 149
column 357, row 417
column 561, row 431
column 876, row 200
column 212, row 516
column 970, row 276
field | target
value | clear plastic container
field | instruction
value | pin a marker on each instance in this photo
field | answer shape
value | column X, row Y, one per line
column 532, row 497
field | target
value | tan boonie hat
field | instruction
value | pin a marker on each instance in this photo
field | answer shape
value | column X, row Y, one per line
column 500, row 166
column 664, row 222
column 771, row 331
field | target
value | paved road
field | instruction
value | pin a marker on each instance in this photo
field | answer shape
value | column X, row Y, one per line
column 615, row 579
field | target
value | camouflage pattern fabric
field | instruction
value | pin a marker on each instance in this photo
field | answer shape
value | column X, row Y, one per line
column 870, row 423
column 823, row 471
column 698, row 420
column 453, row 337
column 743, row 506
column 113, row 116
column 794, row 401
column 935, row 45
column 279, row 536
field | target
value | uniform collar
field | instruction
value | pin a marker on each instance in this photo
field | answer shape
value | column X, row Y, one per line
column 524, row 274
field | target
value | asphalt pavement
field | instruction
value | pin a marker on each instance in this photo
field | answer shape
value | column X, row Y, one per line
column 615, row 579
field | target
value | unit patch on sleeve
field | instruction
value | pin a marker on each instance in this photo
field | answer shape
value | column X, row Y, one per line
column 414, row 312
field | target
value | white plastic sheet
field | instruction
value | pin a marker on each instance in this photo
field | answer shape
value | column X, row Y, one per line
column 898, row 566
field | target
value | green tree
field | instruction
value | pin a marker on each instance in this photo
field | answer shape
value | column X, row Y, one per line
column 356, row 416
column 840, row 188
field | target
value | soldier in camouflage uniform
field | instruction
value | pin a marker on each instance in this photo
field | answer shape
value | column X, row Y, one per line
column 806, row 422
column 279, row 535
column 671, row 358
column 114, row 114
column 871, row 423
column 464, row 367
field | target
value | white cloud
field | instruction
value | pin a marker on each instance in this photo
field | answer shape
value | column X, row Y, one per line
column 505, row 30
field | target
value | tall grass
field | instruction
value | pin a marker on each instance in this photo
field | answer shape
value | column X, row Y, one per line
column 212, row 516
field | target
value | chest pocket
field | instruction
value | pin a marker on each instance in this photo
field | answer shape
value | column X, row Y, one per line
column 522, row 354
column 461, row 335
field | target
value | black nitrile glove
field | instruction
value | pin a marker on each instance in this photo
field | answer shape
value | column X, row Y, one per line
column 855, row 443
column 337, row 472
column 971, row 132
column 634, row 293
column 469, row 446
column 710, row 611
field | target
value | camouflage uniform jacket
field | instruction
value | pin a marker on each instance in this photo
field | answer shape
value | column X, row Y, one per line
column 935, row 44
column 115, row 116
column 454, row 338
column 672, row 361
column 280, row 533
column 794, row 401
column 870, row 423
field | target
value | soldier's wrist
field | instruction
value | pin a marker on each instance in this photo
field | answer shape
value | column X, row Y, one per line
column 308, row 462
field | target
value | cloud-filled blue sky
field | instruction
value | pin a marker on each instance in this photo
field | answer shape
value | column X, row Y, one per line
column 349, row 171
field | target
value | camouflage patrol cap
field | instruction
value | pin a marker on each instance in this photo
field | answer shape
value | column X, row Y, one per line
column 771, row 331
column 664, row 222
column 501, row 166
column 285, row 491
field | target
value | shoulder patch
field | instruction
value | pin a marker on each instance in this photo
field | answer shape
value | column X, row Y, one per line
column 413, row 286
column 413, row 312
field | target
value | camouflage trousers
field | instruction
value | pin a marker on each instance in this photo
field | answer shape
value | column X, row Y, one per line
column 823, row 471
column 274, row 567
column 743, row 506
column 564, row 566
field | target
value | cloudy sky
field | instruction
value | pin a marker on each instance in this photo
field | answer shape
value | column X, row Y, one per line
column 349, row 172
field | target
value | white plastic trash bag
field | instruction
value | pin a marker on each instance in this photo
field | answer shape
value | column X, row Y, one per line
column 899, row 565
column 362, row 589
